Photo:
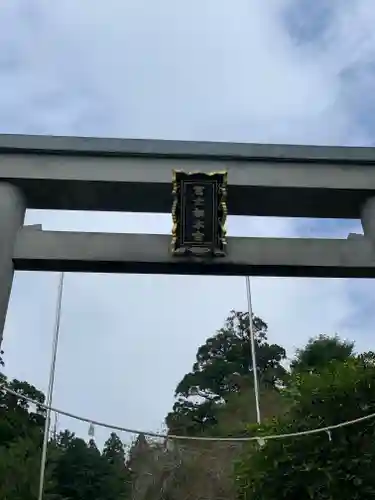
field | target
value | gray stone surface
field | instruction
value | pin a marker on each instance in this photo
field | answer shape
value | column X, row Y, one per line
column 42, row 144
column 135, row 175
column 139, row 253
column 12, row 212
column 368, row 218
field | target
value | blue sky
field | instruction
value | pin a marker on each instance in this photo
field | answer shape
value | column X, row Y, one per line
column 279, row 71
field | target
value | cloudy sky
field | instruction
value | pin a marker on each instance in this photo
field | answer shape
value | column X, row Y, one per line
column 279, row 71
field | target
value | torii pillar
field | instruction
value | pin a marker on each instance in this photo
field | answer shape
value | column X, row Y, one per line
column 12, row 214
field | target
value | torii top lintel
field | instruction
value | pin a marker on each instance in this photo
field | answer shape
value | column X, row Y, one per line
column 135, row 175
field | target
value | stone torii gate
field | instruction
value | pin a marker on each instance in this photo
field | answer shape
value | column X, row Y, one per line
column 136, row 176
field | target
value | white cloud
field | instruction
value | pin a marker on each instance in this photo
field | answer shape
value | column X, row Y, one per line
column 209, row 70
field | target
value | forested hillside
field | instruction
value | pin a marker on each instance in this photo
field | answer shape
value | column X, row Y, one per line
column 76, row 470
column 326, row 383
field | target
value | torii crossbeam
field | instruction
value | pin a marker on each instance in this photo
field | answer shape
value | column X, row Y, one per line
column 135, row 176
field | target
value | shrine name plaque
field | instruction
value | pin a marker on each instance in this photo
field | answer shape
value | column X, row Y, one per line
column 199, row 213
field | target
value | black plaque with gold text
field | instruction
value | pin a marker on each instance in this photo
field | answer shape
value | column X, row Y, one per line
column 199, row 213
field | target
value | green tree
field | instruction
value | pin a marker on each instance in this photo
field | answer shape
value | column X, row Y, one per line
column 20, row 469
column 78, row 469
column 114, row 450
column 18, row 419
column 320, row 466
column 114, row 454
column 75, row 470
column 320, row 351
column 223, row 367
column 83, row 473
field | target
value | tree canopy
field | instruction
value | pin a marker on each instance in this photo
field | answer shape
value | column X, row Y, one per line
column 323, row 391
column 326, row 383
column 222, row 369
column 321, row 351
column 76, row 469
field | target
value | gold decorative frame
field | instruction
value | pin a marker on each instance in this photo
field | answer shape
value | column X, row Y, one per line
column 222, row 194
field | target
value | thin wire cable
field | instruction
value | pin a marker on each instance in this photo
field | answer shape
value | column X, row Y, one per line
column 189, row 438
column 51, row 383
column 253, row 353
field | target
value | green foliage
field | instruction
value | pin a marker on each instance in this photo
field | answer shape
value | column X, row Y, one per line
column 319, row 352
column 75, row 470
column 118, row 473
column 327, row 384
column 83, row 473
column 192, row 417
column 114, row 450
column 20, row 469
column 21, row 434
column 223, row 367
column 315, row 466
column 17, row 419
